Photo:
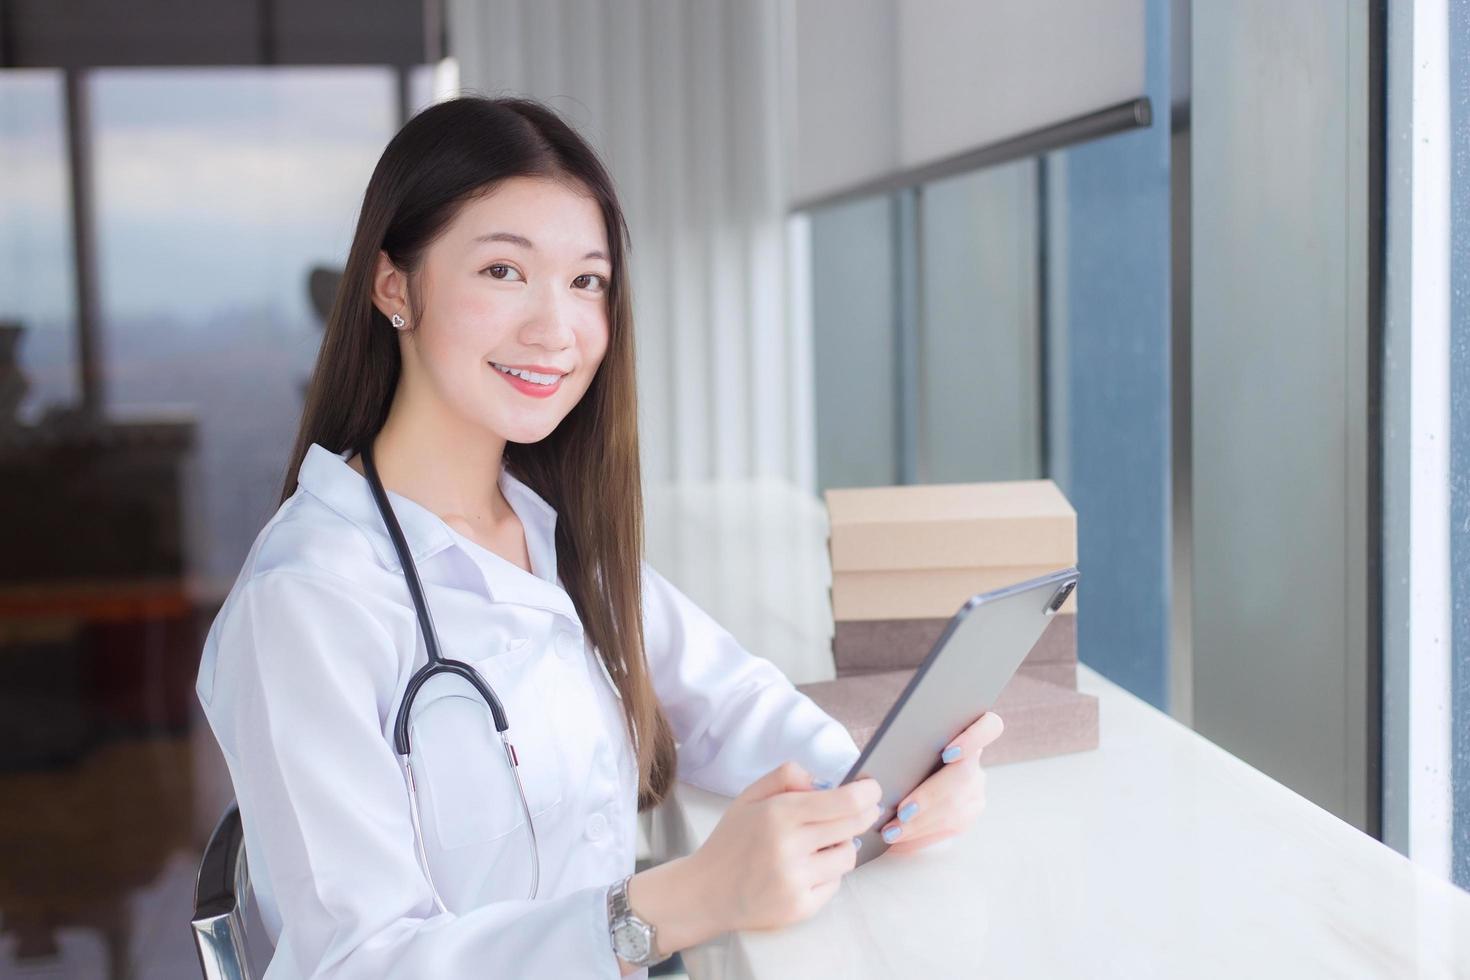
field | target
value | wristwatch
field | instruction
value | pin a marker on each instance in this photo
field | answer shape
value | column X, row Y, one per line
column 633, row 939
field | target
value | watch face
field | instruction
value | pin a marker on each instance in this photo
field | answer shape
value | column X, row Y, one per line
column 632, row 942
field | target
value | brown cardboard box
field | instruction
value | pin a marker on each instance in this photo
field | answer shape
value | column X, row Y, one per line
column 875, row 645
column 924, row 593
column 1040, row 719
column 1014, row 524
column 905, row 559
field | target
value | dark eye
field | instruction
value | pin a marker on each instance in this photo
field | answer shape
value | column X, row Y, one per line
column 601, row 280
column 500, row 265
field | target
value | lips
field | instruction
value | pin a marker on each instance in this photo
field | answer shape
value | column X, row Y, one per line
column 531, row 388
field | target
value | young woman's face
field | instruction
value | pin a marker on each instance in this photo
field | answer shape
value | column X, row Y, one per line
column 519, row 280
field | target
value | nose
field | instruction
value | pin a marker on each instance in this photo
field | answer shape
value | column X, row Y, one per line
column 551, row 320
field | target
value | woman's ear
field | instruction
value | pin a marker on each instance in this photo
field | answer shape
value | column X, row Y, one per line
column 390, row 293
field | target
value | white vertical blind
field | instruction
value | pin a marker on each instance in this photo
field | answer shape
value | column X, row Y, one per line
column 683, row 103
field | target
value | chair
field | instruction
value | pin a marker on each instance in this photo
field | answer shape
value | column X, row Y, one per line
column 220, row 897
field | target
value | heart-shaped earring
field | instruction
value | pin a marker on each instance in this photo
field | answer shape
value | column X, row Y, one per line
column 398, row 322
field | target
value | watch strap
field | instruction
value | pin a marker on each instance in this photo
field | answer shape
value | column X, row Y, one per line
column 619, row 912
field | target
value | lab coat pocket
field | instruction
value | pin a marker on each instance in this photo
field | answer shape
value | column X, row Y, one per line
column 467, row 790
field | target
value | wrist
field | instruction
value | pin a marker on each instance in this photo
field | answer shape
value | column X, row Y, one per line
column 669, row 897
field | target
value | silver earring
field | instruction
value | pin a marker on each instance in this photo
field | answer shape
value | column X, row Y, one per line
column 398, row 322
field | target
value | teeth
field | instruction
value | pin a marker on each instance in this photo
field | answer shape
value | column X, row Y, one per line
column 532, row 376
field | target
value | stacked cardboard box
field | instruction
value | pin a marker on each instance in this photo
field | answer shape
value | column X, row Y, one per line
column 905, row 559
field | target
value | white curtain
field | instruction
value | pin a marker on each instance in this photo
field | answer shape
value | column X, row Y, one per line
column 683, row 101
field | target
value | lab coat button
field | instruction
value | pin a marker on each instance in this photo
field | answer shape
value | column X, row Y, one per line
column 567, row 644
column 596, row 826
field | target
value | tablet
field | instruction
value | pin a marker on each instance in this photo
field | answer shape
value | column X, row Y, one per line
column 960, row 679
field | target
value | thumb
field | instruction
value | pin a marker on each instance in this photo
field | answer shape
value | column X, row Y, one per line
column 787, row 776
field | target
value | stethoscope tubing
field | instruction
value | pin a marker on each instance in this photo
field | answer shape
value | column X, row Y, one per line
column 439, row 665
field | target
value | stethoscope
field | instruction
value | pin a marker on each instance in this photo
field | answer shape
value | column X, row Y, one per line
column 438, row 665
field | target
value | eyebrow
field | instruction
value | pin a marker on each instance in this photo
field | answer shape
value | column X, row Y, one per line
column 505, row 236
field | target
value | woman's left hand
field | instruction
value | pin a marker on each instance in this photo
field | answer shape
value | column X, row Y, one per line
column 946, row 803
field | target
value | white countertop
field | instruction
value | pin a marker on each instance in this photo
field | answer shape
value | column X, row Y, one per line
column 1156, row 855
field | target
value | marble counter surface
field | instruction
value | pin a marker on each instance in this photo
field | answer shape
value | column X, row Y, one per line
column 1157, row 855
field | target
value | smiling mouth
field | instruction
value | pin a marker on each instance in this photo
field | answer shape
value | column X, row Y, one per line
column 545, row 380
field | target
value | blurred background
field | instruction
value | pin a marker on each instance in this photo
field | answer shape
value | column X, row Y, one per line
column 1207, row 266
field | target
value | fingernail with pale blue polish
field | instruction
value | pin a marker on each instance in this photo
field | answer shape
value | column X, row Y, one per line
column 952, row 753
column 891, row 834
column 907, row 813
column 857, row 843
column 821, row 784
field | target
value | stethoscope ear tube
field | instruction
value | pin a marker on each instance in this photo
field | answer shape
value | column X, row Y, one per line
column 405, row 557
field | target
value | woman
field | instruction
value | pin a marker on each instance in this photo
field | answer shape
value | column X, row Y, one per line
column 478, row 364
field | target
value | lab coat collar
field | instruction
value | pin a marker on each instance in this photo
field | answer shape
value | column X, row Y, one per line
column 327, row 476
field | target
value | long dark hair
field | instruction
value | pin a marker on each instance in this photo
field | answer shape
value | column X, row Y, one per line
column 587, row 468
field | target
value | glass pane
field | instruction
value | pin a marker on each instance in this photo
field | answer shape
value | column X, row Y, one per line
column 215, row 194
column 420, row 88
column 853, row 334
column 38, row 366
column 979, row 351
column 218, row 192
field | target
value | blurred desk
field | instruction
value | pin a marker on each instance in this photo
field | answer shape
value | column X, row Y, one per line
column 1158, row 855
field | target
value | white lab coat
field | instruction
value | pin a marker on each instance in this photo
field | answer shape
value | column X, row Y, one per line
column 301, row 677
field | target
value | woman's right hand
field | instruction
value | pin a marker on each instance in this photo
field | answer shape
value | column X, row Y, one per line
column 777, row 855
column 781, row 848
